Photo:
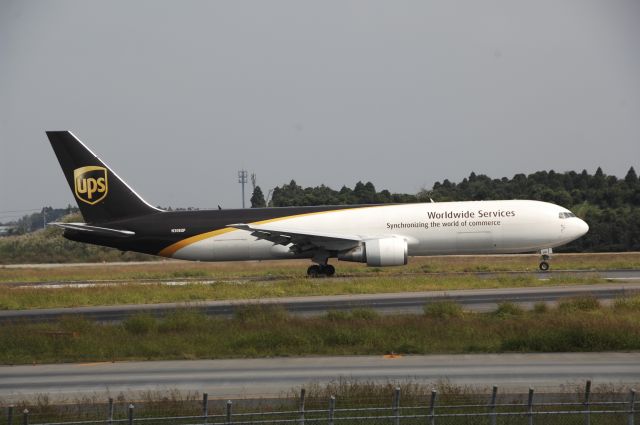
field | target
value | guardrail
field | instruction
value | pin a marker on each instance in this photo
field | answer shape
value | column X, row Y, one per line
column 615, row 408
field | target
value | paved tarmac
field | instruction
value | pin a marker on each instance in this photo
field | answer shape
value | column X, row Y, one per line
column 241, row 378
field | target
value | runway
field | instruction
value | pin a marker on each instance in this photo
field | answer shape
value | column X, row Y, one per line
column 404, row 302
column 240, row 378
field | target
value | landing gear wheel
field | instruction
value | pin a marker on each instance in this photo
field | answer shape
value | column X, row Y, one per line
column 321, row 270
column 313, row 271
column 545, row 256
column 329, row 270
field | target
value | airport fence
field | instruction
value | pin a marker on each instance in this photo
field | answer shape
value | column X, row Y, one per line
column 529, row 408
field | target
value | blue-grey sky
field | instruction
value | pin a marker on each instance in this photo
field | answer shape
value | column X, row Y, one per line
column 177, row 96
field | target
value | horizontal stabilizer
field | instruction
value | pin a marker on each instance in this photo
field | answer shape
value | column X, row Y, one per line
column 82, row 227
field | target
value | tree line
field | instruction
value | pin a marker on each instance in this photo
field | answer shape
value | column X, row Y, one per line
column 610, row 205
column 35, row 221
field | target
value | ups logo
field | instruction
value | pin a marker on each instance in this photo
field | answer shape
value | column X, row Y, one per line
column 90, row 184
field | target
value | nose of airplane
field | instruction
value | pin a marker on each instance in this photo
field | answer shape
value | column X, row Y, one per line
column 582, row 227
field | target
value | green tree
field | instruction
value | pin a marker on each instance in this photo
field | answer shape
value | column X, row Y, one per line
column 365, row 193
column 257, row 198
column 631, row 178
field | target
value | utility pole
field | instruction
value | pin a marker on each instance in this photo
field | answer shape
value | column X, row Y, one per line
column 242, row 179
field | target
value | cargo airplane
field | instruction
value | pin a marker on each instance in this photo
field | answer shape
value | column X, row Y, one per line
column 378, row 235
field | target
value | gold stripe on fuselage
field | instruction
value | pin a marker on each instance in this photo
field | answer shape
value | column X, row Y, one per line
column 173, row 248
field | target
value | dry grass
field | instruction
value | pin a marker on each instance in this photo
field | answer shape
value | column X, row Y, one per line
column 29, row 297
column 297, row 268
column 252, row 279
column 349, row 393
column 266, row 331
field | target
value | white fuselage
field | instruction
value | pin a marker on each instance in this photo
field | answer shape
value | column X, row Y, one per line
column 478, row 227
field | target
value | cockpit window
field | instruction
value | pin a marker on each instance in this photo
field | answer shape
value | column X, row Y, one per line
column 567, row 214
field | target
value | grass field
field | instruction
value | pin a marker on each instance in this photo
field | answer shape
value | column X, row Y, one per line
column 18, row 298
column 259, row 331
column 297, row 268
column 251, row 280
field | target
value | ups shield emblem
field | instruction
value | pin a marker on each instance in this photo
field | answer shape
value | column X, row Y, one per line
column 90, row 184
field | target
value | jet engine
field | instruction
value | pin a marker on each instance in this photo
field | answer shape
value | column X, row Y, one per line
column 378, row 252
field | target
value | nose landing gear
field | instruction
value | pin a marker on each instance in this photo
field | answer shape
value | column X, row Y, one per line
column 545, row 256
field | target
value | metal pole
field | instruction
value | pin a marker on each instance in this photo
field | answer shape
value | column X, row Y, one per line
column 492, row 405
column 25, row 417
column 110, row 412
column 131, row 414
column 242, row 179
column 229, row 404
column 303, row 392
column 332, row 408
column 632, row 407
column 10, row 415
column 205, row 407
column 396, row 406
column 432, row 408
column 530, row 406
column 587, row 403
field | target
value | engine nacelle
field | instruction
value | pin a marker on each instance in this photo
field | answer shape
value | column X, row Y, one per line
column 378, row 252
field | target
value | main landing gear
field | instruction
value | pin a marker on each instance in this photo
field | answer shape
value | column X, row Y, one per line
column 545, row 256
column 321, row 266
column 318, row 270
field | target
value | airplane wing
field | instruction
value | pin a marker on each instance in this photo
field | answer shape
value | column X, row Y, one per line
column 302, row 241
column 104, row 231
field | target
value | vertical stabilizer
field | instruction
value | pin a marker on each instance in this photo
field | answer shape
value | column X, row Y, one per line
column 101, row 195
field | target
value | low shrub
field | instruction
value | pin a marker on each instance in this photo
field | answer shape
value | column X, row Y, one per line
column 189, row 273
column 428, row 268
column 260, row 313
column 508, row 309
column 628, row 303
column 583, row 303
column 140, row 324
column 364, row 314
column 183, row 320
column 540, row 307
column 443, row 310
column 338, row 315
column 571, row 337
